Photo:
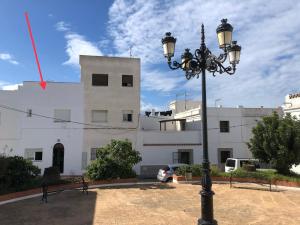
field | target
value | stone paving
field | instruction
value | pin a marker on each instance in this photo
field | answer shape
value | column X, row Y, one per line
column 156, row 205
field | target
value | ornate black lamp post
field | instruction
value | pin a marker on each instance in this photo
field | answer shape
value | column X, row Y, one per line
column 193, row 65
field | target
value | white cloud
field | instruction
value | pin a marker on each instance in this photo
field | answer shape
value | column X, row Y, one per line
column 146, row 106
column 62, row 26
column 9, row 58
column 76, row 44
column 155, row 80
column 268, row 32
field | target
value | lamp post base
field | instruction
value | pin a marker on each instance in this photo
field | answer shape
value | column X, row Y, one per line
column 204, row 222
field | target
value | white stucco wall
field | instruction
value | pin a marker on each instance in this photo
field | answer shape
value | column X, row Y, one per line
column 17, row 131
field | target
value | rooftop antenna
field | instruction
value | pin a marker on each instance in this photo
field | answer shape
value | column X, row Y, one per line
column 130, row 51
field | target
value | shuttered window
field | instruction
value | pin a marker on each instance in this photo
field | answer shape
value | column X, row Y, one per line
column 93, row 153
column 84, row 160
column 62, row 115
column 99, row 116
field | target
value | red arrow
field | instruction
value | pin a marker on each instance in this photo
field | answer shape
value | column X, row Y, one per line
column 42, row 82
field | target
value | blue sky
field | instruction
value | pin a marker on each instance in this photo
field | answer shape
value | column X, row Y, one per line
column 269, row 32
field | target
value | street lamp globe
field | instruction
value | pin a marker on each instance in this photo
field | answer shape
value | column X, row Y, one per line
column 224, row 32
column 234, row 53
column 186, row 58
column 168, row 45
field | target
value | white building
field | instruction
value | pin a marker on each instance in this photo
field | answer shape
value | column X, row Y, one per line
column 63, row 124
column 292, row 106
column 178, row 138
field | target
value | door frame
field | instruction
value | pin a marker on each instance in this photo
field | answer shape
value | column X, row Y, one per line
column 221, row 165
column 58, row 149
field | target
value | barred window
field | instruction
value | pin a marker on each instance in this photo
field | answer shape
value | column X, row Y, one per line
column 224, row 126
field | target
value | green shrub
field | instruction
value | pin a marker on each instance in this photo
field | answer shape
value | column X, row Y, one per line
column 114, row 160
column 182, row 170
column 215, row 171
column 197, row 170
column 16, row 173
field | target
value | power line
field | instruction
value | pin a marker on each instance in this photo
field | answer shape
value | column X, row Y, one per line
column 94, row 126
column 90, row 126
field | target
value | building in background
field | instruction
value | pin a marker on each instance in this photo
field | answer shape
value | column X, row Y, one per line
column 178, row 138
column 292, row 106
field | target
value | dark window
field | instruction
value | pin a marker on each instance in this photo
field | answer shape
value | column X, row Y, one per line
column 230, row 163
column 224, row 156
column 100, row 79
column 184, row 157
column 242, row 162
column 224, row 126
column 127, row 115
column 127, row 80
column 38, row 156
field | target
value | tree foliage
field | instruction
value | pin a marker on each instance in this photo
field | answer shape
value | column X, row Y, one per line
column 277, row 141
column 114, row 160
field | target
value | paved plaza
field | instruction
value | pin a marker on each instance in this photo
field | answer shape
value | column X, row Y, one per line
column 156, row 205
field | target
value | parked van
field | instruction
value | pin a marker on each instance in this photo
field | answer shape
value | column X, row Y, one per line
column 234, row 163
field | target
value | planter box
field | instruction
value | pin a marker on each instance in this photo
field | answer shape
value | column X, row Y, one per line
column 182, row 179
column 286, row 183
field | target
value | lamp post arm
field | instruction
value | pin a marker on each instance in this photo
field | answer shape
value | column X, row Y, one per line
column 174, row 65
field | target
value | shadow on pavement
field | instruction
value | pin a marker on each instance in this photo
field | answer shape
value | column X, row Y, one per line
column 67, row 208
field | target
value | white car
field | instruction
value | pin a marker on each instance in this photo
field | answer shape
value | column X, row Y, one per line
column 234, row 163
column 166, row 174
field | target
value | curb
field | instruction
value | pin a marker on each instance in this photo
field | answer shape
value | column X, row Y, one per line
column 236, row 182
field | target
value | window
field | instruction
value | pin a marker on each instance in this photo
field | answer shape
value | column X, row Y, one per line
column 83, row 160
column 93, row 153
column 35, row 154
column 224, row 126
column 99, row 116
column 224, row 156
column 127, row 115
column 127, row 80
column 38, row 156
column 62, row 115
column 100, row 79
